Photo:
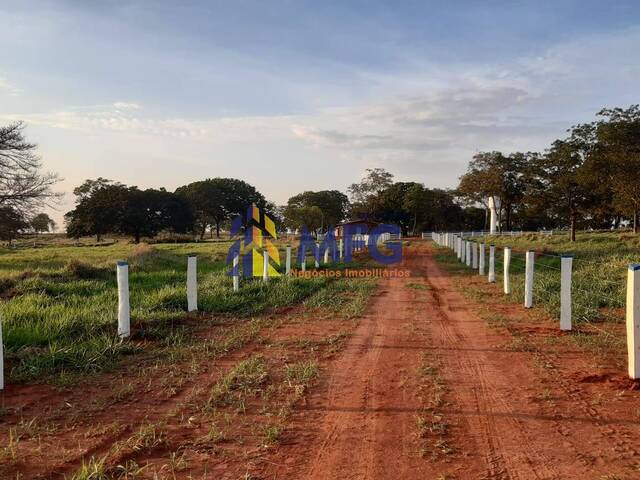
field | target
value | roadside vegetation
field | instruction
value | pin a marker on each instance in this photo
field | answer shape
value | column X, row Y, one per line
column 599, row 270
column 59, row 307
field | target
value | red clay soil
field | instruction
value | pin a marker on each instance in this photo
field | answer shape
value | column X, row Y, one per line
column 542, row 411
column 513, row 413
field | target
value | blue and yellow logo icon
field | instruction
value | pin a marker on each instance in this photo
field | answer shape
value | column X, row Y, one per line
column 258, row 233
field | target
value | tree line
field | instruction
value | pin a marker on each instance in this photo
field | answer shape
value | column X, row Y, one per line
column 589, row 179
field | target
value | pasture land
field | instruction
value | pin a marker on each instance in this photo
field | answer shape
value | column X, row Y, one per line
column 599, row 271
column 59, row 301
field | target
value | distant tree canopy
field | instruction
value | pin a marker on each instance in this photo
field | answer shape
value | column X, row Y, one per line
column 589, row 179
column 23, row 187
column 42, row 223
column 363, row 194
column 316, row 210
column 103, row 206
column 215, row 201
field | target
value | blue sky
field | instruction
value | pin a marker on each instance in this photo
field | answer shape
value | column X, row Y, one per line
column 293, row 95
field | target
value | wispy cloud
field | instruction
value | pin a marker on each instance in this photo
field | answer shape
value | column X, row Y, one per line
column 9, row 88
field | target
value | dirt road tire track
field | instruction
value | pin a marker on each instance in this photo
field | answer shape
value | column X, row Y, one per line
column 361, row 425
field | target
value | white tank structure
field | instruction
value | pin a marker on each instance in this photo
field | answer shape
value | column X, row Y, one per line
column 494, row 205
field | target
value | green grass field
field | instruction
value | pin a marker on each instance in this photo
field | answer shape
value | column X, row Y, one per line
column 59, row 302
column 599, row 270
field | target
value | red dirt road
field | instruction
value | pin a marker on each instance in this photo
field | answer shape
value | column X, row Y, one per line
column 420, row 387
column 512, row 414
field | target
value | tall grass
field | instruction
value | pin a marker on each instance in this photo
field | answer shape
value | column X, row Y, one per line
column 59, row 303
column 599, row 270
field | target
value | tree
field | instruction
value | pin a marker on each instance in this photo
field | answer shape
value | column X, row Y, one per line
column 103, row 206
column 99, row 205
column 493, row 174
column 565, row 186
column 216, row 200
column 363, row 194
column 12, row 223
column 617, row 155
column 42, row 223
column 333, row 205
column 23, row 187
column 303, row 217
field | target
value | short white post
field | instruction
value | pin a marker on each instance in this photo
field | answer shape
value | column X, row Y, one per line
column 507, row 262
column 467, row 255
column 463, row 250
column 528, row 278
column 236, row 272
column 288, row 261
column 192, row 283
column 1, row 359
column 326, row 256
column 566, row 263
column 317, row 255
column 475, row 255
column 633, row 320
column 492, row 263
column 458, row 247
column 340, row 244
column 481, row 259
column 124, row 320
column 303, row 264
column 265, row 266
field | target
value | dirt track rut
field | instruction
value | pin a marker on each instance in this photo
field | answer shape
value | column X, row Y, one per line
column 362, row 424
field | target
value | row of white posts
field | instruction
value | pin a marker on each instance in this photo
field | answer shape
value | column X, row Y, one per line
column 473, row 255
column 122, row 275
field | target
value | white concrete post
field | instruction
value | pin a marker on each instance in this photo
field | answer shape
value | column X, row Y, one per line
column 1, row 359
column 265, row 266
column 463, row 249
column 467, row 255
column 236, row 272
column 566, row 263
column 192, row 283
column 507, row 263
column 475, row 256
column 492, row 263
column 458, row 247
column 340, row 246
column 124, row 320
column 316, row 256
column 494, row 216
column 288, row 261
column 481, row 259
column 528, row 278
column 633, row 320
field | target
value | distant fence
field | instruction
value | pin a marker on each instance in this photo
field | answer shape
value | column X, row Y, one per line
column 473, row 253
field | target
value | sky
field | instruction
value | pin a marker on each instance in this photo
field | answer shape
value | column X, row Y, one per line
column 305, row 95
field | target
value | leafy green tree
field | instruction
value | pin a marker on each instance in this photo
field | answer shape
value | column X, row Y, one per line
column 103, row 206
column 493, row 174
column 310, row 217
column 364, row 194
column 333, row 205
column 98, row 210
column 12, row 223
column 42, row 223
column 216, row 200
column 617, row 155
